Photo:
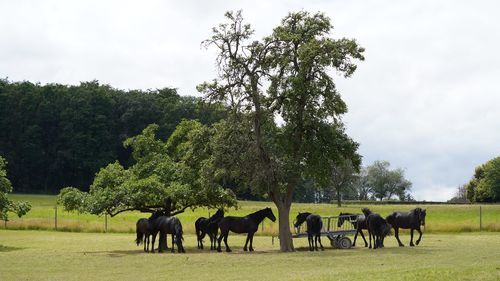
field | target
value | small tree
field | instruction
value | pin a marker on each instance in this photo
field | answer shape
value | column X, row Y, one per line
column 343, row 177
column 6, row 205
column 460, row 195
column 386, row 183
column 167, row 176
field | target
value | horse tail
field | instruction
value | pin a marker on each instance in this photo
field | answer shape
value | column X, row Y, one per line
column 179, row 232
column 139, row 239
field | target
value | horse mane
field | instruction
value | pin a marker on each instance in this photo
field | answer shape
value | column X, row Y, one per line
column 257, row 214
column 366, row 211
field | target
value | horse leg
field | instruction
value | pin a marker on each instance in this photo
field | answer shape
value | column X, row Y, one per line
column 173, row 247
column 411, row 238
column 420, row 235
column 321, row 245
column 311, row 242
column 355, row 237
column 370, row 236
column 246, row 242
column 153, row 243
column 219, row 241
column 362, row 236
column 396, row 233
column 146, row 242
column 251, row 242
column 161, row 241
column 225, row 242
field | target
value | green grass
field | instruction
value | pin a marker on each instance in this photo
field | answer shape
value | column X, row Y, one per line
column 440, row 218
column 48, row 255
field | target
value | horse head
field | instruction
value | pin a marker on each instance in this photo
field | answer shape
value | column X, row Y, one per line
column 341, row 220
column 157, row 214
column 270, row 215
column 421, row 216
column 366, row 211
column 300, row 219
column 219, row 213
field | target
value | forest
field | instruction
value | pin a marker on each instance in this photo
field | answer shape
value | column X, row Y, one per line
column 60, row 135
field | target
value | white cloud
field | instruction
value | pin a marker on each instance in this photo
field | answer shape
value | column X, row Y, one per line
column 425, row 98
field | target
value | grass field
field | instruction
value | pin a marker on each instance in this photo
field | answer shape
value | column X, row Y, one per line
column 48, row 255
column 440, row 218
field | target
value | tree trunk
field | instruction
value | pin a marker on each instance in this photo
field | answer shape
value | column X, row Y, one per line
column 285, row 236
column 339, row 203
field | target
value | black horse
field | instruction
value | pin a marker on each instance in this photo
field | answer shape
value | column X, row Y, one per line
column 357, row 221
column 144, row 231
column 166, row 225
column 407, row 220
column 378, row 228
column 248, row 224
column 314, row 226
column 208, row 226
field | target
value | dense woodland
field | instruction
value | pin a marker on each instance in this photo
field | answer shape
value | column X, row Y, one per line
column 57, row 135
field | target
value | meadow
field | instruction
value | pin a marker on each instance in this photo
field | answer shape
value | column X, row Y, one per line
column 50, row 255
column 440, row 218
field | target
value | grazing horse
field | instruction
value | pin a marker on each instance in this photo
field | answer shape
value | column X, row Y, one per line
column 208, row 226
column 166, row 225
column 357, row 221
column 143, row 231
column 407, row 220
column 378, row 228
column 314, row 226
column 248, row 224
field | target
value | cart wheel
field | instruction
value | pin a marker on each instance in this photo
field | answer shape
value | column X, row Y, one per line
column 344, row 243
column 334, row 242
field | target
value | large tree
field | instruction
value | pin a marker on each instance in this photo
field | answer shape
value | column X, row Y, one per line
column 7, row 205
column 485, row 184
column 167, row 176
column 286, row 110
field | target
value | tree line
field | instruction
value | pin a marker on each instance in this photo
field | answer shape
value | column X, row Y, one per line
column 58, row 135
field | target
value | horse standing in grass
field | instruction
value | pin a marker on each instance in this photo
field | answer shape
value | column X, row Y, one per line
column 166, row 225
column 357, row 221
column 144, row 231
column 314, row 226
column 208, row 226
column 248, row 224
column 378, row 228
column 408, row 220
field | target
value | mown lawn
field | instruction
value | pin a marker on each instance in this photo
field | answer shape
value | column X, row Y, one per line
column 47, row 255
column 440, row 218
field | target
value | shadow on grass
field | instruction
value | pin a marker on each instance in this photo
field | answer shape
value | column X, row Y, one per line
column 9, row 249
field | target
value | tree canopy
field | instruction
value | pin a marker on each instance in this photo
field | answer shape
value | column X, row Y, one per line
column 385, row 183
column 167, row 175
column 485, row 184
column 6, row 205
column 283, row 76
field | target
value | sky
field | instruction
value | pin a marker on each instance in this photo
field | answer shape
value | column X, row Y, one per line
column 425, row 99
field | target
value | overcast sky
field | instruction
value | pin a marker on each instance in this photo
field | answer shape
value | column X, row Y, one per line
column 425, row 99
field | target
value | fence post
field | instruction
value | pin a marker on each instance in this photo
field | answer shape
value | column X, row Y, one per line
column 5, row 223
column 480, row 218
column 105, row 222
column 55, row 217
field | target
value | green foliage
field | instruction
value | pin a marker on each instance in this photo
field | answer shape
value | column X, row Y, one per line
column 485, row 185
column 285, row 74
column 6, row 205
column 385, row 183
column 166, row 175
column 57, row 135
